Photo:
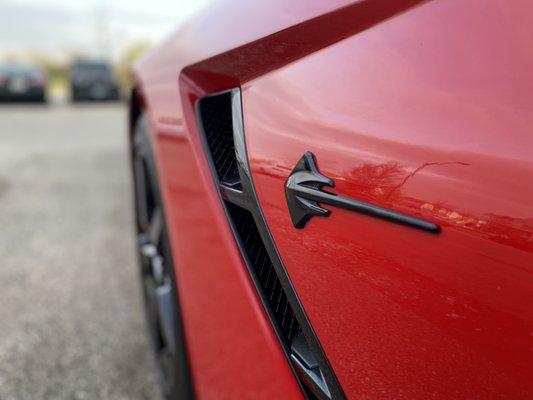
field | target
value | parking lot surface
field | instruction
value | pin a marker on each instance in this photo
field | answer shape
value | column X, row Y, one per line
column 71, row 318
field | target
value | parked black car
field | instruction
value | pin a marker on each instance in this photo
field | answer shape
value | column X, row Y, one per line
column 93, row 81
column 22, row 83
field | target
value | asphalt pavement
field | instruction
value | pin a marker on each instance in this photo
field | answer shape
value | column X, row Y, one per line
column 71, row 318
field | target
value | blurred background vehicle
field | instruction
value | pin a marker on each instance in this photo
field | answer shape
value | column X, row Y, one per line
column 22, row 83
column 92, row 80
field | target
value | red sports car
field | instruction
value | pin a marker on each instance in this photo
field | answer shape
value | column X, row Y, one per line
column 334, row 200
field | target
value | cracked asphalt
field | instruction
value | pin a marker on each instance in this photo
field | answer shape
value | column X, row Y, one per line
column 71, row 318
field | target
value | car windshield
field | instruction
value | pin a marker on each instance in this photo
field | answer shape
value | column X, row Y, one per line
column 18, row 70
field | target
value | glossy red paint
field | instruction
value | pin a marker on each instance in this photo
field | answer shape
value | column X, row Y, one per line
column 429, row 114
column 422, row 107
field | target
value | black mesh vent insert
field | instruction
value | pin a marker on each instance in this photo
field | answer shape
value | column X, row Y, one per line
column 216, row 117
column 264, row 271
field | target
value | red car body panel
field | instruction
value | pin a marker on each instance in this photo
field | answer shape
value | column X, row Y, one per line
column 420, row 107
column 432, row 119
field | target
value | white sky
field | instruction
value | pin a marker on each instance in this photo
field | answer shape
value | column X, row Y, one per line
column 93, row 27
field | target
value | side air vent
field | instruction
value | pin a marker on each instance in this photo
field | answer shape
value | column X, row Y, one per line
column 218, row 129
column 220, row 120
column 264, row 271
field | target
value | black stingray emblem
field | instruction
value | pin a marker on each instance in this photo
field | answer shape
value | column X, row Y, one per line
column 304, row 193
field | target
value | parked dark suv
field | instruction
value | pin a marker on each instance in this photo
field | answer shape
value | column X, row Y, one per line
column 22, row 83
column 93, row 81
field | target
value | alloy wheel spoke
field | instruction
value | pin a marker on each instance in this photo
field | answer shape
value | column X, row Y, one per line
column 155, row 226
column 166, row 315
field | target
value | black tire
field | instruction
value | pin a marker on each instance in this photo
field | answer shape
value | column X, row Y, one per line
column 157, row 272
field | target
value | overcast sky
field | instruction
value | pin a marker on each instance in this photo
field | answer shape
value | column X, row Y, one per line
column 93, row 27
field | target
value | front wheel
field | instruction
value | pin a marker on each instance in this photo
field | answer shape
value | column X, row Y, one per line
column 157, row 271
